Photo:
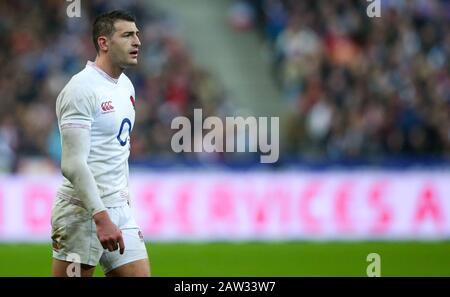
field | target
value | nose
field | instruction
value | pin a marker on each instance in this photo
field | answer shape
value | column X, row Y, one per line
column 136, row 42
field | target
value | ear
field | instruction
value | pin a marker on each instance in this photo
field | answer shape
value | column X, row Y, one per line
column 103, row 43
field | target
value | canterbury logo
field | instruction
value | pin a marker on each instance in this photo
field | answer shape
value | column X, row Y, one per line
column 107, row 106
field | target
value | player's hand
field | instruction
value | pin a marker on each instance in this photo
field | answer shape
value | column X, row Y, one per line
column 107, row 232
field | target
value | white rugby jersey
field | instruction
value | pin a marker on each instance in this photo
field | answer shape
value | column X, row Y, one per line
column 95, row 101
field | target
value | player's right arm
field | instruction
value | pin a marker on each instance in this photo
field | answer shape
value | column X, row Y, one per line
column 75, row 110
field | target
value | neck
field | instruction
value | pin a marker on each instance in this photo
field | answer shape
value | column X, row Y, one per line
column 104, row 64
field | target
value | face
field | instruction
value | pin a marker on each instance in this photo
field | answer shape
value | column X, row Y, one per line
column 123, row 46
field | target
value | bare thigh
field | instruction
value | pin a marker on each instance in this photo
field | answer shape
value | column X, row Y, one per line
column 139, row 268
column 61, row 269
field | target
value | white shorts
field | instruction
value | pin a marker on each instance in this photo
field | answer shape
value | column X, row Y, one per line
column 74, row 236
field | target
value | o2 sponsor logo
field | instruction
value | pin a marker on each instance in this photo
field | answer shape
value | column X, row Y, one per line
column 123, row 139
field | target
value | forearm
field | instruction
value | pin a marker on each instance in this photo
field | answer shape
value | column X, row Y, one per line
column 75, row 148
column 83, row 181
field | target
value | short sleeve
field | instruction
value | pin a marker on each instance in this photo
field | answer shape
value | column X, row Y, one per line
column 75, row 107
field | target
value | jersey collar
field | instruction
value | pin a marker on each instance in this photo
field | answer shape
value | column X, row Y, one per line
column 102, row 73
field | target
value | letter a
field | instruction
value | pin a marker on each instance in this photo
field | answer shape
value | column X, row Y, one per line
column 374, row 9
column 374, row 268
column 74, row 9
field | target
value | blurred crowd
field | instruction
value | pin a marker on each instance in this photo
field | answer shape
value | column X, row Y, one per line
column 355, row 86
column 41, row 48
column 361, row 87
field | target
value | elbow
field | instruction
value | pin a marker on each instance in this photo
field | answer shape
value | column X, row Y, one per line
column 69, row 169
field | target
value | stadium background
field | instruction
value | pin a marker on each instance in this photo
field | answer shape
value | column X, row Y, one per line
column 365, row 135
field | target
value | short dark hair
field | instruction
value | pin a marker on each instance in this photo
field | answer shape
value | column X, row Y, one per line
column 104, row 24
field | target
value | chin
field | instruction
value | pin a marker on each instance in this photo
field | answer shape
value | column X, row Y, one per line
column 128, row 63
column 133, row 62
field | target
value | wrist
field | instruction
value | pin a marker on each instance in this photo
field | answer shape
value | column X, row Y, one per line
column 100, row 217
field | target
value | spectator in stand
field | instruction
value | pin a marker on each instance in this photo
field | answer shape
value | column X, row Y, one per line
column 362, row 87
